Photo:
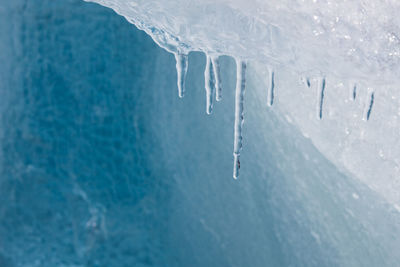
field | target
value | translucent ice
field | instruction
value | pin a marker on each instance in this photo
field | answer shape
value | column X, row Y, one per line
column 347, row 42
column 102, row 165
column 181, row 70
column 239, row 115
column 217, row 76
column 209, row 81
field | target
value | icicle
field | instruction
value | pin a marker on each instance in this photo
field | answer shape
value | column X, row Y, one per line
column 209, row 84
column 321, row 95
column 217, row 77
column 353, row 91
column 181, row 70
column 239, row 97
column 306, row 82
column 271, row 87
column 369, row 104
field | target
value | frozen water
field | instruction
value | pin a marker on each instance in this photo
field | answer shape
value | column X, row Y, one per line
column 217, row 76
column 239, row 115
column 181, row 70
column 210, row 83
column 346, row 42
column 102, row 165
column 307, row 36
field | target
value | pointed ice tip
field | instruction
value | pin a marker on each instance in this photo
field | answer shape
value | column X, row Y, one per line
column 239, row 100
column 236, row 166
column 181, row 70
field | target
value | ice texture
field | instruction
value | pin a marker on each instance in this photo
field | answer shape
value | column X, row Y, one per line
column 342, row 43
column 342, row 38
column 103, row 165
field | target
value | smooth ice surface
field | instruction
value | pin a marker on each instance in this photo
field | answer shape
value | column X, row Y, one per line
column 103, row 165
column 345, row 42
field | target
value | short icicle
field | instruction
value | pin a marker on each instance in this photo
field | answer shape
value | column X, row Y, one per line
column 209, row 84
column 217, row 77
column 271, row 88
column 239, row 97
column 369, row 104
column 353, row 91
column 321, row 95
column 181, row 70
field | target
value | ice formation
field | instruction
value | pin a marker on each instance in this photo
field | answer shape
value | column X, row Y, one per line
column 89, row 156
column 332, row 45
column 209, row 84
column 239, row 104
column 181, row 70
column 217, row 76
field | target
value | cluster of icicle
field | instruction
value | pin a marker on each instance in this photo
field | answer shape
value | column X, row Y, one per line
column 213, row 86
column 353, row 94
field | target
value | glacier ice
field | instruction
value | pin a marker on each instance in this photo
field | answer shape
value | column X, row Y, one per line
column 93, row 174
column 347, row 42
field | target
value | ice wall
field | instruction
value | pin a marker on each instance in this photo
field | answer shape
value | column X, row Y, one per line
column 342, row 38
column 352, row 46
column 103, row 165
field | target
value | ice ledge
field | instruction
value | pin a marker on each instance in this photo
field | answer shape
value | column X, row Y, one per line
column 345, row 39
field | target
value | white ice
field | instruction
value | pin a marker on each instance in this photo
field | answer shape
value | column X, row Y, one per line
column 319, row 51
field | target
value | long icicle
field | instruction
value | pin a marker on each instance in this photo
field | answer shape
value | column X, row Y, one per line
column 239, row 97
column 209, row 85
column 217, row 77
column 181, row 70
